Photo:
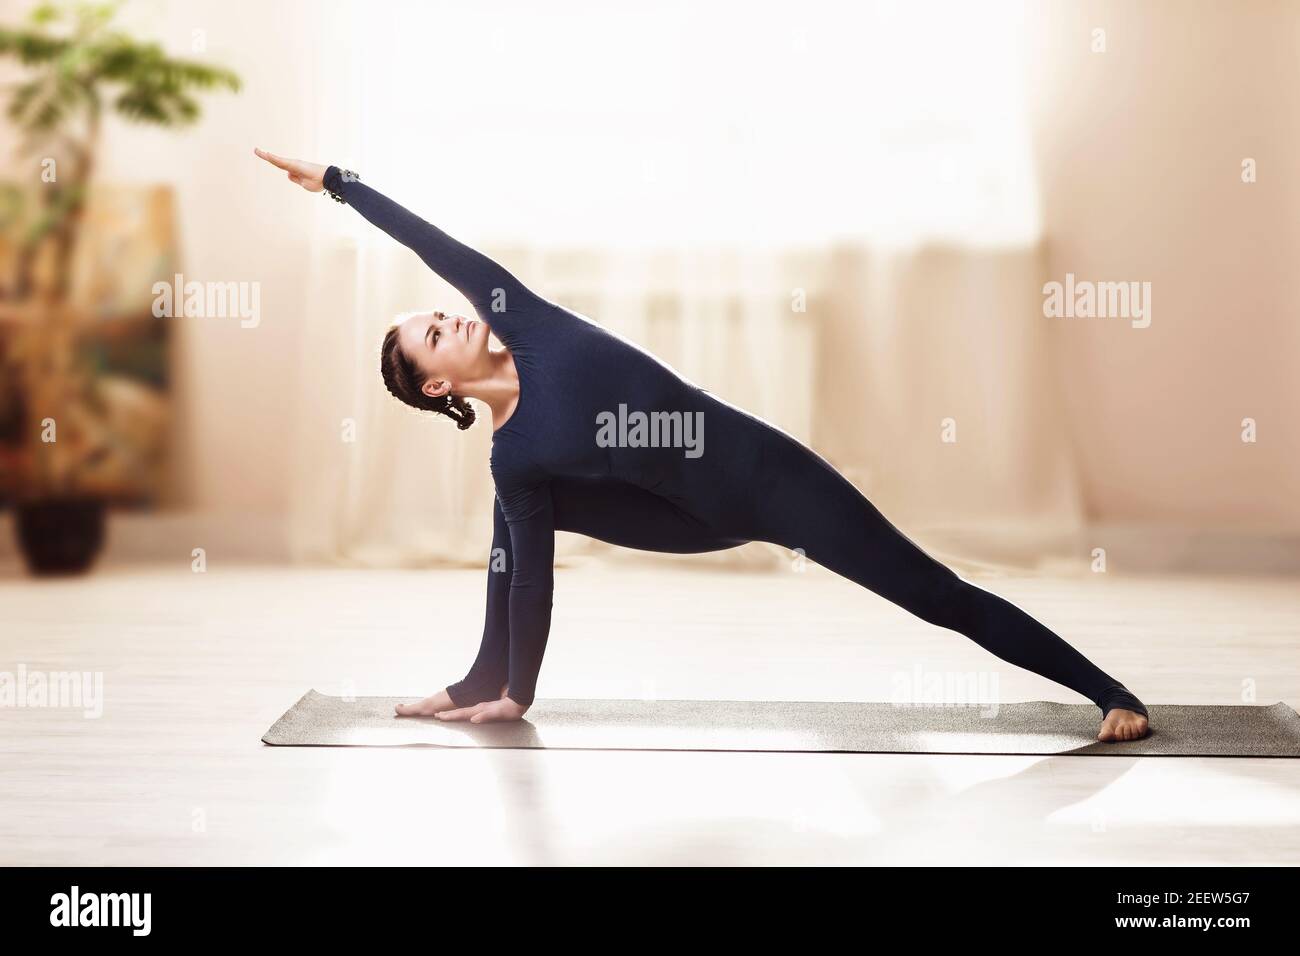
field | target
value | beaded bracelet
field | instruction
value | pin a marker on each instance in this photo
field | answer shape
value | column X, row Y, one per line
column 347, row 176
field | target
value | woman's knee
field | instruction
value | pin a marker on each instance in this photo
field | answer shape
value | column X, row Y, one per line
column 945, row 600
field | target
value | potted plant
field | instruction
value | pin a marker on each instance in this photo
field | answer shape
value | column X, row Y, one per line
column 65, row 444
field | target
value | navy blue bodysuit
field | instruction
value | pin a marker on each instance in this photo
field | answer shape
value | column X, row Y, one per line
column 610, row 442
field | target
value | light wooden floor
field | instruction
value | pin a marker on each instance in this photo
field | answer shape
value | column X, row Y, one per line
column 197, row 666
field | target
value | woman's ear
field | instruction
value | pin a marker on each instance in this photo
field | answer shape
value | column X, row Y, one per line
column 435, row 388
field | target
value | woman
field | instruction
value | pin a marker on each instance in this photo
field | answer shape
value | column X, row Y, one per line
column 594, row 435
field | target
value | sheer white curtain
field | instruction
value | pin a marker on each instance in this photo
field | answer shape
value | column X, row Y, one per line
column 695, row 176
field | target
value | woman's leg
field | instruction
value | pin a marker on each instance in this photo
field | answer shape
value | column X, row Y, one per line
column 623, row 514
column 818, row 511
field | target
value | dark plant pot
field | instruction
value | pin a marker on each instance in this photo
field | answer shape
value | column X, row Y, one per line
column 60, row 535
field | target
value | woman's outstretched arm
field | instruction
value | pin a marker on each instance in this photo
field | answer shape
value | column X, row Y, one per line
column 488, row 285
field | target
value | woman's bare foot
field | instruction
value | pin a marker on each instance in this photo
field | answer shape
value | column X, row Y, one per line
column 1120, row 724
column 429, row 706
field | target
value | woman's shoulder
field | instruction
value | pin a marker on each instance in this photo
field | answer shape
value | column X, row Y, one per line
column 527, row 319
column 522, row 485
column 511, row 460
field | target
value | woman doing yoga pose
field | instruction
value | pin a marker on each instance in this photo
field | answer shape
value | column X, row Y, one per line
column 578, row 413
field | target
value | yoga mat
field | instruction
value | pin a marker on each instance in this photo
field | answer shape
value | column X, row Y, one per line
column 1034, row 727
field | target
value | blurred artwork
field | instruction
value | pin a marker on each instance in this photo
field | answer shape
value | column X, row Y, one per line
column 127, row 244
column 112, row 406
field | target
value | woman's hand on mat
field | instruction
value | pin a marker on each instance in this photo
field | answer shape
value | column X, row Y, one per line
column 310, row 176
column 428, row 707
column 488, row 711
column 441, row 705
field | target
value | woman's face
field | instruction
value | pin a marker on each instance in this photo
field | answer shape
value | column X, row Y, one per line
column 449, row 349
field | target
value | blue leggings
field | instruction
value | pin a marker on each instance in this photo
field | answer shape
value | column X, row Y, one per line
column 833, row 524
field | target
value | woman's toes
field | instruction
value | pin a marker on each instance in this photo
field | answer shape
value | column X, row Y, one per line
column 1125, row 725
column 1121, row 725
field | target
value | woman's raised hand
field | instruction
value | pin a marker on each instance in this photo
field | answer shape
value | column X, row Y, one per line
column 310, row 176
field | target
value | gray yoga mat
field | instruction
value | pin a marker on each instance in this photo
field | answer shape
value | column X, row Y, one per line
column 1034, row 727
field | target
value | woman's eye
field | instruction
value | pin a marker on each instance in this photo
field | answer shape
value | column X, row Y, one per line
column 436, row 333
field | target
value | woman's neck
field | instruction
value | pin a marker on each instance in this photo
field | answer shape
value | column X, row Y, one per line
column 497, row 387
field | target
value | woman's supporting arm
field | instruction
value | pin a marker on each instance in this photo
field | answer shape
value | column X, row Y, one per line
column 532, row 586
column 491, row 667
column 489, row 287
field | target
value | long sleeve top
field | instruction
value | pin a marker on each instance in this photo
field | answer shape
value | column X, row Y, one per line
column 582, row 388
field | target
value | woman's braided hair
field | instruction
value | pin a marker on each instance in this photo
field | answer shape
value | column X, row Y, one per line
column 404, row 381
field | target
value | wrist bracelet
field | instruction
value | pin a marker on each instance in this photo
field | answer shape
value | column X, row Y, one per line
column 347, row 176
